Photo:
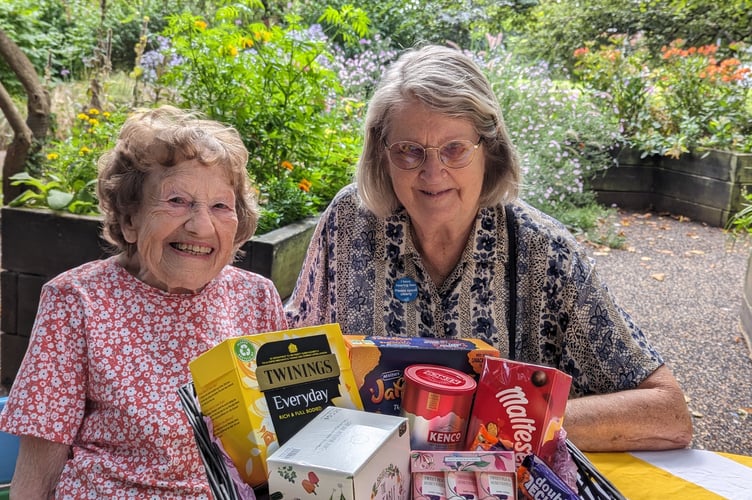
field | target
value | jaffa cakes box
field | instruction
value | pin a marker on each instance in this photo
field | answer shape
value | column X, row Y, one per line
column 344, row 454
column 260, row 389
column 378, row 363
column 518, row 406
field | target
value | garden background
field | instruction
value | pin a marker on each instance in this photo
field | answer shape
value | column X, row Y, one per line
column 577, row 81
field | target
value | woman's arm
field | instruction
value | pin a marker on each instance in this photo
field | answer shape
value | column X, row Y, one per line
column 652, row 416
column 38, row 468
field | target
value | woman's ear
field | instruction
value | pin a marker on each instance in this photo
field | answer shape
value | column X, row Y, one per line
column 129, row 229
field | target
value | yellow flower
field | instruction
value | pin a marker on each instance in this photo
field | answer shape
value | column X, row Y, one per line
column 83, row 151
column 52, row 156
column 263, row 36
column 106, row 114
column 246, row 43
column 286, row 165
column 93, row 122
column 82, row 116
column 93, row 112
column 305, row 185
column 200, row 25
column 233, row 51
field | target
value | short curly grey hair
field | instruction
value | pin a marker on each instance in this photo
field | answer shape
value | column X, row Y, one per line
column 162, row 138
column 450, row 83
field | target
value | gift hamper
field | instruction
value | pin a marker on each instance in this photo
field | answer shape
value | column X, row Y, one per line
column 591, row 484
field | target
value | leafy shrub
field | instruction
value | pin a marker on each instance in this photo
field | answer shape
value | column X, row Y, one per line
column 67, row 179
column 275, row 85
column 562, row 136
column 685, row 98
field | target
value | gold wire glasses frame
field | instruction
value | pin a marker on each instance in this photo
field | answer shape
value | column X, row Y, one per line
column 408, row 155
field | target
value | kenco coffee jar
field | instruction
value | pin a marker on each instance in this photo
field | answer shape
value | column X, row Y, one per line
column 436, row 401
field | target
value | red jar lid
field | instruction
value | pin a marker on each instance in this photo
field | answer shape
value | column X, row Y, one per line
column 440, row 379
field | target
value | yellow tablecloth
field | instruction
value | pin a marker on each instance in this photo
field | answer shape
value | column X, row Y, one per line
column 677, row 474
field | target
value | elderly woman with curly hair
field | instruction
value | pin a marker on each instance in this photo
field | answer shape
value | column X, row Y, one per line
column 95, row 402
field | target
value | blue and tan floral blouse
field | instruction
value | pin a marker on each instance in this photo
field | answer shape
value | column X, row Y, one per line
column 364, row 273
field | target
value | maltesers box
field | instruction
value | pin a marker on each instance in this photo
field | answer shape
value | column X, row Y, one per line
column 378, row 364
column 344, row 454
column 260, row 389
column 518, row 406
column 463, row 474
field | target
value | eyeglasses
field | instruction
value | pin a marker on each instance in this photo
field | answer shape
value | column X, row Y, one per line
column 408, row 155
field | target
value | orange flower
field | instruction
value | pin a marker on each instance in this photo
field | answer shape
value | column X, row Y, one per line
column 286, row 165
column 200, row 25
column 305, row 185
column 582, row 51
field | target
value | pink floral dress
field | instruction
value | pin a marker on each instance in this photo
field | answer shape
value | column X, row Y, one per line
column 106, row 357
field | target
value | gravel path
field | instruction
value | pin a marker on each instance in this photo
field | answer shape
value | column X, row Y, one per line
column 682, row 282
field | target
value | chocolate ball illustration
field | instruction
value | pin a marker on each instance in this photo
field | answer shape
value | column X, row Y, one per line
column 539, row 378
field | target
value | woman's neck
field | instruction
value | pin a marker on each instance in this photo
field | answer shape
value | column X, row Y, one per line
column 440, row 249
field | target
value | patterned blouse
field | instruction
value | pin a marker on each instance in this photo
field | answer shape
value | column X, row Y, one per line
column 105, row 360
column 364, row 273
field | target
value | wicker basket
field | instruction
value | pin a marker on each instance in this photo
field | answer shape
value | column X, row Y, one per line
column 591, row 483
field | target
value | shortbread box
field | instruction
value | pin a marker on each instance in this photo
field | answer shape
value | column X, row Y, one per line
column 259, row 390
column 344, row 454
column 463, row 474
column 378, row 364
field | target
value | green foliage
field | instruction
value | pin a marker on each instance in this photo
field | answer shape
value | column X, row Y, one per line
column 554, row 29
column 741, row 222
column 669, row 103
column 562, row 135
column 274, row 85
column 67, row 180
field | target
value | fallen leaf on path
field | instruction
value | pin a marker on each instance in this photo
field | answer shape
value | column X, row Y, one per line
column 631, row 249
column 694, row 252
column 693, row 235
column 626, row 222
column 665, row 252
column 646, row 258
column 697, row 414
column 658, row 276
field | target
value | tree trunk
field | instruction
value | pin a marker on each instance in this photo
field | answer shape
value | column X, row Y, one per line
column 29, row 135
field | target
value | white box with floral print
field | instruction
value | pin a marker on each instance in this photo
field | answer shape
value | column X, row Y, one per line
column 344, row 454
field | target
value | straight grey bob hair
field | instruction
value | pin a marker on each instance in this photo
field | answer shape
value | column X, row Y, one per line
column 451, row 83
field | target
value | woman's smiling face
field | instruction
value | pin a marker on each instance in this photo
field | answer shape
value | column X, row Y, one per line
column 434, row 194
column 184, row 231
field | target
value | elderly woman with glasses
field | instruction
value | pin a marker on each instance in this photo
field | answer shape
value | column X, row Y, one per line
column 95, row 401
column 432, row 240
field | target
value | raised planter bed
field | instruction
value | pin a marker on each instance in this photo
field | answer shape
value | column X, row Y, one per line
column 705, row 186
column 40, row 244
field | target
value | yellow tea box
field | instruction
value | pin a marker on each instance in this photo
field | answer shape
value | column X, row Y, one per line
column 261, row 389
column 379, row 362
column 344, row 454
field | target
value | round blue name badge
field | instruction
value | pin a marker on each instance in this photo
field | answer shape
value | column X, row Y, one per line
column 405, row 289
